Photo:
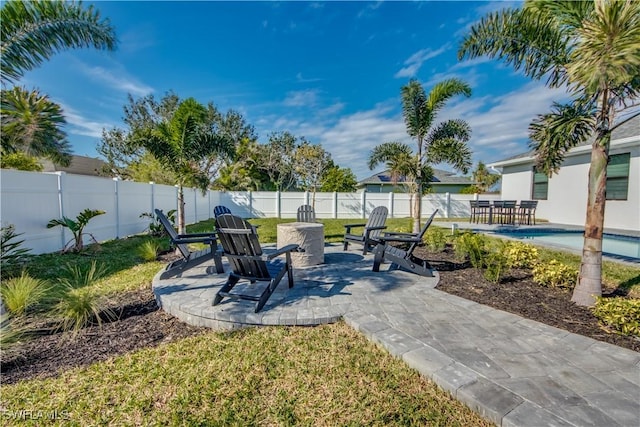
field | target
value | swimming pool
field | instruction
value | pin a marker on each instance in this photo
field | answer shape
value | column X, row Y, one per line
column 615, row 245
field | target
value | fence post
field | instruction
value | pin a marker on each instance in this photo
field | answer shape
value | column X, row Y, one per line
column 153, row 201
column 306, row 198
column 391, row 204
column 335, row 204
column 116, row 196
column 250, row 204
column 278, row 207
column 61, row 176
column 448, row 203
column 363, row 201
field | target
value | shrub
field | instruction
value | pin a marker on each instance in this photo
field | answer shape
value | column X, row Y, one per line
column 620, row 314
column 472, row 246
column 496, row 263
column 521, row 255
column 155, row 227
column 76, row 276
column 76, row 227
column 149, row 250
column 436, row 239
column 12, row 256
column 79, row 307
column 555, row 274
column 22, row 292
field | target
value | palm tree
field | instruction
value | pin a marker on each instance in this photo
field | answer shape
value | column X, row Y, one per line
column 592, row 47
column 180, row 144
column 442, row 143
column 32, row 31
column 32, row 123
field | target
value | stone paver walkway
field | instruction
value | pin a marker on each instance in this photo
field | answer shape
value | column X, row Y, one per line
column 511, row 370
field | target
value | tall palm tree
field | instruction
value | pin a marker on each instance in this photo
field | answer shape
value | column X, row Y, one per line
column 592, row 47
column 180, row 143
column 32, row 31
column 442, row 143
column 32, row 123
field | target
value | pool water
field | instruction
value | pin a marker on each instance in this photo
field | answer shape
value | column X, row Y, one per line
column 612, row 244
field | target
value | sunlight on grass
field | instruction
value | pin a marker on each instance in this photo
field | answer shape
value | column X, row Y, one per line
column 322, row 376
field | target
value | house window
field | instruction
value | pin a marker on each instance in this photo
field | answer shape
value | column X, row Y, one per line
column 540, row 185
column 618, row 176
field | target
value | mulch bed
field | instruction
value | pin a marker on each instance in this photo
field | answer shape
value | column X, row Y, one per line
column 141, row 324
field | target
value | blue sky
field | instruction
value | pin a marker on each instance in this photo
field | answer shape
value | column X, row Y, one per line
column 328, row 71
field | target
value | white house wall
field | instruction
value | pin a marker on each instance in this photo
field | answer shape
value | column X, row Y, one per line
column 567, row 196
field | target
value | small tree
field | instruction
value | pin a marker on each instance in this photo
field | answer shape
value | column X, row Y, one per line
column 76, row 227
column 311, row 162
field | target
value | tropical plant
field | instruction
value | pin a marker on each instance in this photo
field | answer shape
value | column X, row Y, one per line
column 76, row 276
column 32, row 124
column 554, row 274
column 311, row 161
column 32, row 31
column 179, row 144
column 441, row 143
column 483, row 178
column 592, row 48
column 12, row 256
column 20, row 293
column 149, row 249
column 620, row 314
column 155, row 226
column 20, row 161
column 76, row 227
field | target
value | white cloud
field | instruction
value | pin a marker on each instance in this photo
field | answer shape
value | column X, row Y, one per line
column 117, row 80
column 415, row 61
column 301, row 98
column 80, row 125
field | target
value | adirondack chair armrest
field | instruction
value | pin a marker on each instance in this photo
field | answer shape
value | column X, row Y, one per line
column 391, row 234
column 407, row 239
column 350, row 226
column 181, row 236
column 284, row 250
column 379, row 227
column 208, row 239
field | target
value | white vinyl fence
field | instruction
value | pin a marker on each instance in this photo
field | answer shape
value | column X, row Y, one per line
column 31, row 199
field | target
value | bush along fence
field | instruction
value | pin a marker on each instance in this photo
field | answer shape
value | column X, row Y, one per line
column 29, row 200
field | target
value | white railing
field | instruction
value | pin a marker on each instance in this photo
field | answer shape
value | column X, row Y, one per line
column 30, row 199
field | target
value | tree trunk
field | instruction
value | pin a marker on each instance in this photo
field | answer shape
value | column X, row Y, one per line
column 182, row 228
column 590, row 277
column 417, row 209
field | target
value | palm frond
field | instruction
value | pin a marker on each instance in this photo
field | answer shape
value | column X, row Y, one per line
column 32, row 31
column 529, row 42
column 386, row 152
column 445, row 90
column 555, row 133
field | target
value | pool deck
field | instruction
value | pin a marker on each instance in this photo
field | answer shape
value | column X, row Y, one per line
column 513, row 371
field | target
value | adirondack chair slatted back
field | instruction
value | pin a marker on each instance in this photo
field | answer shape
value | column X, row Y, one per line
column 173, row 234
column 420, row 235
column 241, row 246
column 377, row 219
column 306, row 214
column 220, row 210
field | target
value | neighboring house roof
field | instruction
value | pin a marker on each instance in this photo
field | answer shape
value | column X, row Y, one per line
column 80, row 165
column 439, row 177
column 627, row 132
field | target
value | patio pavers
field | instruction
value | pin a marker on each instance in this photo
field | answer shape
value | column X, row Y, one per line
column 513, row 371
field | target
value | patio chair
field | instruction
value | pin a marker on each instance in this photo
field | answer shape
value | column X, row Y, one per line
column 240, row 243
column 527, row 212
column 189, row 259
column 306, row 214
column 220, row 210
column 371, row 230
column 400, row 257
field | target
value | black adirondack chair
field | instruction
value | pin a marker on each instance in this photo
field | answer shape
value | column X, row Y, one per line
column 239, row 240
column 400, row 257
column 306, row 214
column 220, row 210
column 189, row 259
column 371, row 230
